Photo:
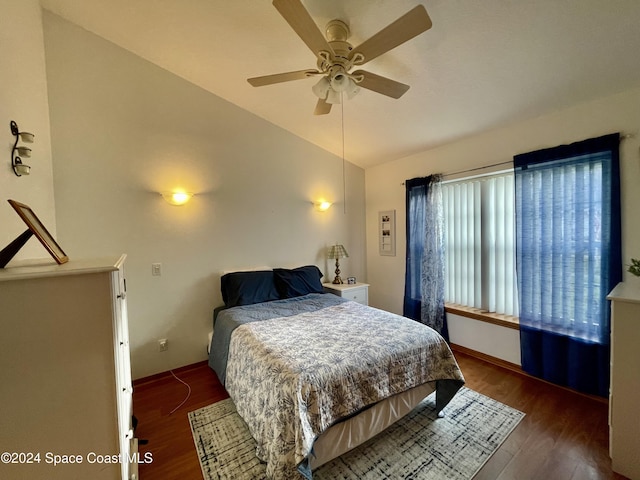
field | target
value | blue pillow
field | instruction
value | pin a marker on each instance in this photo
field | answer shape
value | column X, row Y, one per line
column 247, row 288
column 298, row 281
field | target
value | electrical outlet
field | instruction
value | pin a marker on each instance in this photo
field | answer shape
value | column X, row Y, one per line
column 163, row 345
column 156, row 269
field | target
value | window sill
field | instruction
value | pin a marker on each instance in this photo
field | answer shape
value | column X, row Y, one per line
column 497, row 319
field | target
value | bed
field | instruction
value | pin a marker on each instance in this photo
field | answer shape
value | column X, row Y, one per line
column 314, row 375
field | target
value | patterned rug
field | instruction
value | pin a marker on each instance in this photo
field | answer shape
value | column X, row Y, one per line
column 419, row 446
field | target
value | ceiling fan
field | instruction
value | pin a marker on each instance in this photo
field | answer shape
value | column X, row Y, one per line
column 336, row 57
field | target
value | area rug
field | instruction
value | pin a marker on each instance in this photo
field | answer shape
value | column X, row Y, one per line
column 419, row 446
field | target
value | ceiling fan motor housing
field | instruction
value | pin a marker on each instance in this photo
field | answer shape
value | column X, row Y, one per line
column 337, row 33
column 337, row 64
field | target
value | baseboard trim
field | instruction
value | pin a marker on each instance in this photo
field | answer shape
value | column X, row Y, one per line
column 162, row 375
column 514, row 367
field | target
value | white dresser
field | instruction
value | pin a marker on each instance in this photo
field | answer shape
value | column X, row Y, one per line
column 358, row 292
column 624, row 394
column 66, row 376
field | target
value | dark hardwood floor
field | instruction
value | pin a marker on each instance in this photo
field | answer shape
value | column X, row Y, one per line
column 563, row 436
column 169, row 434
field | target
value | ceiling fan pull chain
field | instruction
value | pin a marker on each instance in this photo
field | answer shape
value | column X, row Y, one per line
column 344, row 182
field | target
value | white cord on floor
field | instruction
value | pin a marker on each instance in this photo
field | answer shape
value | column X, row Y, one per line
column 188, row 393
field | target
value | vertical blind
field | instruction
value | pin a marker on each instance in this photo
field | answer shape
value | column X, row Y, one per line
column 568, row 236
column 565, row 247
column 479, row 225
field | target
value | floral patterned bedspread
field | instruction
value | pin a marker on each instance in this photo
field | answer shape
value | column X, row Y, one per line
column 293, row 377
column 231, row 318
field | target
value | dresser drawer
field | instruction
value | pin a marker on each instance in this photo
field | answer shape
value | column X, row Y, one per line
column 357, row 293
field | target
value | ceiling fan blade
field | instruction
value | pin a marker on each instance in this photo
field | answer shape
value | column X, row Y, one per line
column 382, row 85
column 299, row 19
column 282, row 77
column 411, row 24
column 322, row 107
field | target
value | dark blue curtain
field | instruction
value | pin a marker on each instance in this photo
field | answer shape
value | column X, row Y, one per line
column 424, row 274
column 568, row 258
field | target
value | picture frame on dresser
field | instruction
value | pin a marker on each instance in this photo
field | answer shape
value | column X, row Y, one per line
column 37, row 228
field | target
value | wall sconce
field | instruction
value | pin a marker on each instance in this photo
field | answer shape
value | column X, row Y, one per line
column 322, row 206
column 177, row 198
column 18, row 151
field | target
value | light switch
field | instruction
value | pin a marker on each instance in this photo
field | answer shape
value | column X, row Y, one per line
column 156, row 269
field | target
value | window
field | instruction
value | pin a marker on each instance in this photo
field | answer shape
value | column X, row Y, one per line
column 479, row 231
column 565, row 246
column 568, row 258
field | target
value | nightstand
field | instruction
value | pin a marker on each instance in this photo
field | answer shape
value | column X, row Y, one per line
column 358, row 292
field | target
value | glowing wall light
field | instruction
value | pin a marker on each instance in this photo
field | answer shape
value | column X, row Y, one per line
column 177, row 198
column 322, row 206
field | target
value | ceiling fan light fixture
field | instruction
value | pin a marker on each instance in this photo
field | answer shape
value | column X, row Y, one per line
column 340, row 82
column 321, row 88
column 352, row 90
column 333, row 97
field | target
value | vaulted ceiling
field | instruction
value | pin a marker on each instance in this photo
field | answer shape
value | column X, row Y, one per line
column 483, row 64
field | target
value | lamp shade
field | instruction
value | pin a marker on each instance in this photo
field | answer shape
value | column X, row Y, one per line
column 321, row 88
column 337, row 251
column 333, row 97
column 352, row 90
column 340, row 82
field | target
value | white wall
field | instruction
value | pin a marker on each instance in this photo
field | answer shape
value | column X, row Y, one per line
column 23, row 98
column 384, row 189
column 484, row 337
column 123, row 130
